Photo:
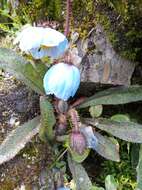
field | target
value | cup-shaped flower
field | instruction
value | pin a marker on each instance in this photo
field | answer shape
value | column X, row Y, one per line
column 41, row 42
column 62, row 80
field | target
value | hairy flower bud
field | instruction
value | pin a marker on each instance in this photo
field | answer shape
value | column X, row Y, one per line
column 62, row 106
column 62, row 80
column 77, row 142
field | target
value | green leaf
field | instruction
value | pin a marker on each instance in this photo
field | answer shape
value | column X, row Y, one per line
column 120, row 117
column 110, row 183
column 96, row 111
column 79, row 175
column 48, row 119
column 135, row 154
column 113, row 96
column 107, row 147
column 139, row 171
column 22, row 69
column 79, row 158
column 128, row 131
column 17, row 139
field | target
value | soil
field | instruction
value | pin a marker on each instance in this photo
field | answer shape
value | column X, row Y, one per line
column 17, row 105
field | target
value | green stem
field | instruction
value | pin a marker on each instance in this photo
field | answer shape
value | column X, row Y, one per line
column 58, row 158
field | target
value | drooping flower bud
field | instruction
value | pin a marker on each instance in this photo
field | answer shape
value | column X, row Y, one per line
column 62, row 80
column 77, row 142
column 62, row 106
column 41, row 42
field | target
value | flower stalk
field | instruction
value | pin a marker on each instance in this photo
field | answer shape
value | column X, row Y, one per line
column 68, row 12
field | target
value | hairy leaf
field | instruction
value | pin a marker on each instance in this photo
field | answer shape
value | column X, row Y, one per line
column 113, row 96
column 17, row 139
column 79, row 175
column 48, row 119
column 128, row 131
column 135, row 148
column 79, row 158
column 96, row 111
column 120, row 117
column 107, row 147
column 23, row 70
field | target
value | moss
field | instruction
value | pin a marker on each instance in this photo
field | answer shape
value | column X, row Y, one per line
column 122, row 21
column 123, row 171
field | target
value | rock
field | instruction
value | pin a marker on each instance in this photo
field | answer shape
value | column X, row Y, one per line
column 100, row 63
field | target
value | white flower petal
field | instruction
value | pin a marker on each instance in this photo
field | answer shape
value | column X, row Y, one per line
column 53, row 37
column 41, row 42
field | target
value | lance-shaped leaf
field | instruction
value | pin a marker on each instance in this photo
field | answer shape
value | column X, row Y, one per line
column 105, row 146
column 48, row 119
column 139, row 171
column 113, row 96
column 128, row 131
column 23, row 70
column 79, row 175
column 17, row 139
column 135, row 149
column 79, row 158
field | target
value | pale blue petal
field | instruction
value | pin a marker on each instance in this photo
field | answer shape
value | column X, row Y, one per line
column 76, row 80
column 62, row 47
column 53, row 79
column 31, row 40
column 31, row 37
column 55, row 52
column 60, row 80
column 38, row 53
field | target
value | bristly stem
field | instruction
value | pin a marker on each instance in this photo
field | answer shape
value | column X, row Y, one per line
column 67, row 24
column 74, row 119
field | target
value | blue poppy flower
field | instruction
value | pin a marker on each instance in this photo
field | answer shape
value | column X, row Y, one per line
column 62, row 80
column 41, row 42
